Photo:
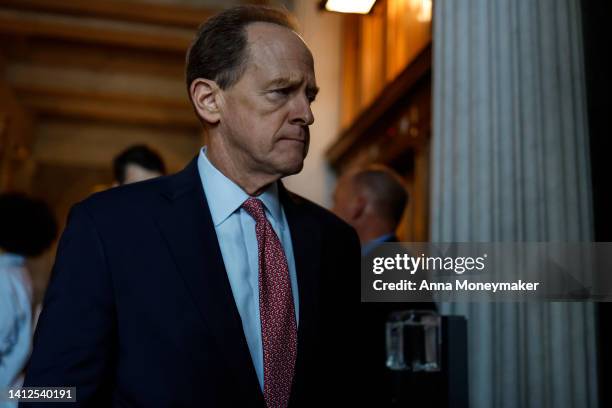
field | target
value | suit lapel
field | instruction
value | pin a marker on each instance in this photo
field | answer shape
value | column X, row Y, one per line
column 306, row 240
column 187, row 227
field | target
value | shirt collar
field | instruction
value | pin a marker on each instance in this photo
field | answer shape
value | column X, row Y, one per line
column 225, row 197
column 8, row 259
column 370, row 245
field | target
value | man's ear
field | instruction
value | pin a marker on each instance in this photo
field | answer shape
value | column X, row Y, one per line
column 205, row 96
column 358, row 206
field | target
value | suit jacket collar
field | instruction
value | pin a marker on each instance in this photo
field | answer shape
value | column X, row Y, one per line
column 306, row 239
column 187, row 227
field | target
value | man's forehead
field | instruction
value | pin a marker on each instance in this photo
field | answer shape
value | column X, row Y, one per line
column 267, row 41
column 265, row 30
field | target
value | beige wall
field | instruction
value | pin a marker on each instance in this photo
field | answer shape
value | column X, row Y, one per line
column 321, row 30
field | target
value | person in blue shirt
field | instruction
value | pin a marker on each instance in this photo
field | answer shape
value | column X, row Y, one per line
column 372, row 200
column 28, row 228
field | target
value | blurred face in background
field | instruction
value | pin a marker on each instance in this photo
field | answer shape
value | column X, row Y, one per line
column 346, row 201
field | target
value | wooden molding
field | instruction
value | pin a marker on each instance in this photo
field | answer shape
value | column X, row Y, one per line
column 175, row 15
column 360, row 128
column 27, row 93
column 87, row 83
column 120, row 110
column 91, row 30
column 55, row 54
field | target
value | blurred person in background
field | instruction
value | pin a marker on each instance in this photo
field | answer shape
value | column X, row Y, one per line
column 27, row 229
column 372, row 201
column 137, row 163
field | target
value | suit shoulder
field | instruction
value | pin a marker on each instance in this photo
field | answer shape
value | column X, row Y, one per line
column 125, row 199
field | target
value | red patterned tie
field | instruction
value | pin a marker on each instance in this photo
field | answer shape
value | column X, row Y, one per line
column 278, row 325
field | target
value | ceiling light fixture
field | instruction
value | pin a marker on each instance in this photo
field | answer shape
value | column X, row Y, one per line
column 348, row 6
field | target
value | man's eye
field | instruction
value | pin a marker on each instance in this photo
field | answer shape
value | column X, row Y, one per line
column 282, row 91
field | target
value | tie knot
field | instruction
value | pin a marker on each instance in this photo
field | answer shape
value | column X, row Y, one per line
column 255, row 208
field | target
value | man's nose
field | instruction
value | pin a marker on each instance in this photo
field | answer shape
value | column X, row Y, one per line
column 301, row 113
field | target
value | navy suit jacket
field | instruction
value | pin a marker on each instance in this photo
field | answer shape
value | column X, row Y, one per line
column 139, row 311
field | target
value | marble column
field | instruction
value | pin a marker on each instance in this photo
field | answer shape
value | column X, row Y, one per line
column 510, row 162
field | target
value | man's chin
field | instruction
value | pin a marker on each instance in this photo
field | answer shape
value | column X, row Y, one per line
column 292, row 168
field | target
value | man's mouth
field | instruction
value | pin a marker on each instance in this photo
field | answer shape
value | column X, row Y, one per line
column 293, row 139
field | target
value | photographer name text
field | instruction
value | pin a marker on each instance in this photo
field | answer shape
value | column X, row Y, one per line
column 459, row 285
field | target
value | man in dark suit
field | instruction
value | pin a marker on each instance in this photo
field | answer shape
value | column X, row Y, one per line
column 373, row 200
column 214, row 287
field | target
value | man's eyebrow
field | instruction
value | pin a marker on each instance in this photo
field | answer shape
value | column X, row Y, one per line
column 282, row 82
column 285, row 82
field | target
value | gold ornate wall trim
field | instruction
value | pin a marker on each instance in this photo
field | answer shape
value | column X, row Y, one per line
column 360, row 131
